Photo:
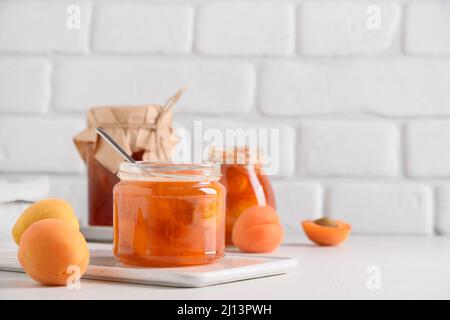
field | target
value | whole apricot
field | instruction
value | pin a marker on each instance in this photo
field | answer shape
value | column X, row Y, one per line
column 51, row 250
column 257, row 230
column 44, row 209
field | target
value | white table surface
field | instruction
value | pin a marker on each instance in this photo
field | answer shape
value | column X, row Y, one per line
column 410, row 268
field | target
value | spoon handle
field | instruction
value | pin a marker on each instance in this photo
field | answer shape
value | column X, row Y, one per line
column 114, row 144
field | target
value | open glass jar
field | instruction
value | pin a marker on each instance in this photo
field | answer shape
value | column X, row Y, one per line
column 168, row 215
column 245, row 182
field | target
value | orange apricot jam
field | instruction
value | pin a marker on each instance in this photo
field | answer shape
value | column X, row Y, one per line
column 168, row 215
column 245, row 182
column 101, row 182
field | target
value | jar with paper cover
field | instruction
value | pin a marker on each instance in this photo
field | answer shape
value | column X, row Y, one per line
column 144, row 132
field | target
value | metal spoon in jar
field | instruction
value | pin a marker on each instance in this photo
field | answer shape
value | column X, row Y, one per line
column 119, row 149
column 114, row 144
column 128, row 158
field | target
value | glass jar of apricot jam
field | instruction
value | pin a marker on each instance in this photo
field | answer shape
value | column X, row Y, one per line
column 168, row 215
column 245, row 183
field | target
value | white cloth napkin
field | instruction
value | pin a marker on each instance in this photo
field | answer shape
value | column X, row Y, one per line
column 31, row 189
column 9, row 212
column 15, row 196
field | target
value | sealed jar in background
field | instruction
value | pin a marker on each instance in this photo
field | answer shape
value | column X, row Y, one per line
column 144, row 132
column 244, row 180
column 101, row 182
column 168, row 215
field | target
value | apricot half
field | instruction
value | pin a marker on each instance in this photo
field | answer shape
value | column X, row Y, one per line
column 44, row 209
column 51, row 250
column 257, row 230
column 326, row 232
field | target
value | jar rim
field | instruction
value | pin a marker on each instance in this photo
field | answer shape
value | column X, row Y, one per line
column 238, row 155
column 169, row 171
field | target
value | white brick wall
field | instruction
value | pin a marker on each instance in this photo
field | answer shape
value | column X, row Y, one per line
column 297, row 201
column 382, row 208
column 427, row 149
column 443, row 209
column 391, row 87
column 142, row 28
column 340, row 28
column 37, row 144
column 81, row 83
column 283, row 159
column 245, row 29
column 364, row 149
column 24, row 85
column 362, row 112
column 427, row 28
column 41, row 27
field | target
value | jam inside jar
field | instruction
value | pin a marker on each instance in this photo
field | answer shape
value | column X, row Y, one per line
column 245, row 182
column 168, row 215
column 101, row 182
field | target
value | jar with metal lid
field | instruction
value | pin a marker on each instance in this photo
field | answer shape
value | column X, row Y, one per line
column 168, row 214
